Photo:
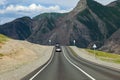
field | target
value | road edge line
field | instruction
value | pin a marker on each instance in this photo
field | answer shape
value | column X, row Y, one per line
column 43, row 67
column 77, row 66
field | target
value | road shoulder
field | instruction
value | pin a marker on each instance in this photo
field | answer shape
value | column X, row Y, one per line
column 85, row 55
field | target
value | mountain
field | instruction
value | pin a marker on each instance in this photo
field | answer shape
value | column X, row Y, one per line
column 44, row 24
column 113, row 43
column 18, row 29
column 88, row 23
column 114, row 4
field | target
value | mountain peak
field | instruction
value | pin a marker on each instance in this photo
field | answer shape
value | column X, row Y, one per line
column 114, row 4
column 82, row 5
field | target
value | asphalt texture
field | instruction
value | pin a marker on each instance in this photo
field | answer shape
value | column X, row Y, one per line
column 60, row 68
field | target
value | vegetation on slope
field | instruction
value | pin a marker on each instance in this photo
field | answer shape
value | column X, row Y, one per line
column 3, row 38
column 87, row 19
column 1, row 55
column 109, row 15
column 105, row 56
column 48, row 15
column 47, row 21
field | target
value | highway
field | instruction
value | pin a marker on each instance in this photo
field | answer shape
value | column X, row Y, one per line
column 65, row 66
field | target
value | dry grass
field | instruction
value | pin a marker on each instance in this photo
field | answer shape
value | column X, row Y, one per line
column 111, row 57
column 3, row 38
column 1, row 55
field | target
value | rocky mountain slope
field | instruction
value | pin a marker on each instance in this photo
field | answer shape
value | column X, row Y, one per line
column 113, row 43
column 20, row 28
column 88, row 23
column 44, row 24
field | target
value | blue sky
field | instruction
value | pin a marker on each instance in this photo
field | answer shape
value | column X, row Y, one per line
column 11, row 9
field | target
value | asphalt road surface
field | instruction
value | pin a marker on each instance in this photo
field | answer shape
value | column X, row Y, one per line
column 66, row 66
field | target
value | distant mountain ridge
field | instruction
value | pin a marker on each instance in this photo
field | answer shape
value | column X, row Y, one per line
column 20, row 28
column 88, row 23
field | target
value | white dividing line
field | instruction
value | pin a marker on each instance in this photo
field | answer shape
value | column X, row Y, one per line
column 78, row 67
column 42, row 68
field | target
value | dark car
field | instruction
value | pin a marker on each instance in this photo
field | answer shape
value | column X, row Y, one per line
column 57, row 45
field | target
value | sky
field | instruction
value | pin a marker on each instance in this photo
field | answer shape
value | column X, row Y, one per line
column 12, row 9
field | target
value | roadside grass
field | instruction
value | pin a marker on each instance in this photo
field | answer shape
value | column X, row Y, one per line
column 105, row 56
column 1, row 55
column 3, row 38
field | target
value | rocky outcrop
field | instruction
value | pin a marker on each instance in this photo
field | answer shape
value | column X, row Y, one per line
column 113, row 43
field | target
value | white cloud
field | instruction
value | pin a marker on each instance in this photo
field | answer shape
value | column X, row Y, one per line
column 67, row 3
column 14, row 11
column 5, row 20
column 31, row 8
column 2, row 2
column 63, row 3
column 105, row 2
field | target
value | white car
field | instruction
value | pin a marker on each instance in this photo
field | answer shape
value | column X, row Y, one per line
column 58, row 49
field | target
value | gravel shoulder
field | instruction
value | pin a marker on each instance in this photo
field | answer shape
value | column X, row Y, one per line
column 20, row 58
column 84, row 54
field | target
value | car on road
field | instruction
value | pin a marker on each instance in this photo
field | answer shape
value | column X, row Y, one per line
column 58, row 49
column 57, row 45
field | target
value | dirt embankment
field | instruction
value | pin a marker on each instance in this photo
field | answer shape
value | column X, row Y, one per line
column 18, row 58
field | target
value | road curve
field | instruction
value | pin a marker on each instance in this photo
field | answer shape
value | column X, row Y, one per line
column 97, row 71
column 65, row 66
